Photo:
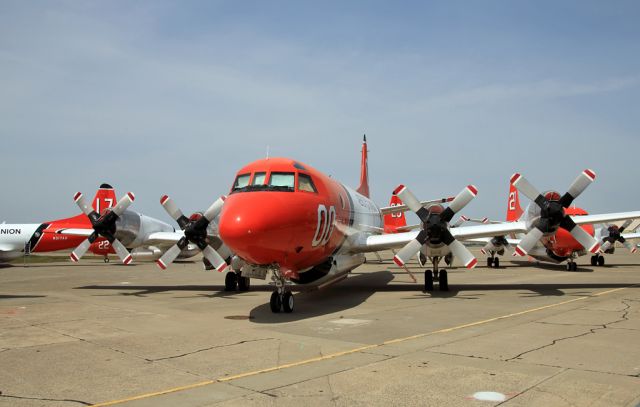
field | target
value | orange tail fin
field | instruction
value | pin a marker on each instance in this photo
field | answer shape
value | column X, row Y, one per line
column 514, row 211
column 105, row 198
column 394, row 221
column 363, row 189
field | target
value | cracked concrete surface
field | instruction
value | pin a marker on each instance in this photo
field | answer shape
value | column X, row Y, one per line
column 76, row 336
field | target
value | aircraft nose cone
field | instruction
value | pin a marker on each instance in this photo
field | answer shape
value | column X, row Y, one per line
column 256, row 229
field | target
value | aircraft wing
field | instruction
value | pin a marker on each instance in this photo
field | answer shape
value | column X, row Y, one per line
column 403, row 208
column 605, row 217
column 397, row 240
column 7, row 248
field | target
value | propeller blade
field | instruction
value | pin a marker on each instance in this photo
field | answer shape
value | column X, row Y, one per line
column 631, row 247
column 581, row 235
column 408, row 198
column 463, row 198
column 458, row 250
column 80, row 250
column 121, row 251
column 577, row 187
column 625, row 225
column 462, row 219
column 123, row 203
column 172, row 209
column 214, row 258
column 489, row 247
column 606, row 245
column 528, row 242
column 525, row 186
column 169, row 256
column 78, row 198
column 214, row 210
column 407, row 252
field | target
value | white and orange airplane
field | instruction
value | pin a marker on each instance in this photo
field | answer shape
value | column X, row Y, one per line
column 551, row 219
column 289, row 220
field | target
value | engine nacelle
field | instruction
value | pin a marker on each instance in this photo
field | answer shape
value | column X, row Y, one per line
column 132, row 228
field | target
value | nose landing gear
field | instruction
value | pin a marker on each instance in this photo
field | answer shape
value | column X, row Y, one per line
column 281, row 298
column 431, row 276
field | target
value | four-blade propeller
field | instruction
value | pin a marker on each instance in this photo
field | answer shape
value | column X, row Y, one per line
column 195, row 231
column 615, row 235
column 552, row 213
column 435, row 226
column 104, row 226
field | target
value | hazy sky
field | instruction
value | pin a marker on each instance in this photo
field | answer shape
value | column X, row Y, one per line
column 173, row 97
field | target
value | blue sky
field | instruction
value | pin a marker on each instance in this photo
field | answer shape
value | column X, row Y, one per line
column 173, row 97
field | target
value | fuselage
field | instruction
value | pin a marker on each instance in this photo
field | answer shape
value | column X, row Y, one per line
column 284, row 213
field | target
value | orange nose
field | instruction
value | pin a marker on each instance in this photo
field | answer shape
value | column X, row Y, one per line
column 257, row 226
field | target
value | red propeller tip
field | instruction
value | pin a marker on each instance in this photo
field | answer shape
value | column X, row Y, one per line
column 161, row 264
column 472, row 263
column 483, row 251
column 131, row 196
column 589, row 173
column 74, row 257
column 472, row 189
column 223, row 197
column 595, row 248
column 398, row 261
column 127, row 259
column 222, row 267
column 520, row 252
column 398, row 189
column 77, row 196
column 514, row 178
column 164, row 199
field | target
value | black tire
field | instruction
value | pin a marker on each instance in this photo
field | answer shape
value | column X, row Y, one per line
column 287, row 302
column 496, row 262
column 428, row 281
column 244, row 283
column 231, row 281
column 275, row 302
column 489, row 262
column 443, row 280
column 106, row 260
column 594, row 260
column 600, row 261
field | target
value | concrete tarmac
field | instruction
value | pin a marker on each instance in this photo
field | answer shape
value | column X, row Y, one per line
column 106, row 334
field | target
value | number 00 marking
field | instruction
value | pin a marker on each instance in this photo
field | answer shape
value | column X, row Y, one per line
column 324, row 228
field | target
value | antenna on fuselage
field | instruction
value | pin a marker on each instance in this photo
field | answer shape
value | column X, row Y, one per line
column 267, row 152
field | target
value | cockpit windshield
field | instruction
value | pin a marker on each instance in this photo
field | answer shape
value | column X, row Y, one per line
column 284, row 180
column 278, row 181
column 242, row 181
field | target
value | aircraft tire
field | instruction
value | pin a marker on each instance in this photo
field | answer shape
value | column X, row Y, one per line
column 594, row 260
column 244, row 283
column 428, row 280
column 287, row 302
column 489, row 262
column 496, row 262
column 600, row 261
column 443, row 280
column 231, row 281
column 275, row 302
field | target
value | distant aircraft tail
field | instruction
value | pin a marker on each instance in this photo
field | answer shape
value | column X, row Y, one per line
column 105, row 198
column 394, row 221
column 363, row 189
column 514, row 211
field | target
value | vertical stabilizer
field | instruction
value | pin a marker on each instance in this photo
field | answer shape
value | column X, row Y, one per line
column 105, row 198
column 394, row 221
column 363, row 189
column 514, row 211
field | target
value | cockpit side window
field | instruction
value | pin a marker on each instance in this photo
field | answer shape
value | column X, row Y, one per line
column 242, row 181
column 305, row 183
column 258, row 178
column 282, row 180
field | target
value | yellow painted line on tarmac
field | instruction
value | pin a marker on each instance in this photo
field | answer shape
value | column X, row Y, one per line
column 351, row 351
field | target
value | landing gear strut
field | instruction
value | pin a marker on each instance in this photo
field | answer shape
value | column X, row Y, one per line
column 281, row 298
column 106, row 259
column 234, row 281
column 431, row 276
column 493, row 261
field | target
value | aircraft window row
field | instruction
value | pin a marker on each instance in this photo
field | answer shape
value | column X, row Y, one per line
column 278, row 181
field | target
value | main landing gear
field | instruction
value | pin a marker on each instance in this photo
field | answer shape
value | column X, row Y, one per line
column 572, row 266
column 106, row 259
column 436, row 275
column 597, row 260
column 493, row 261
column 281, row 298
column 234, row 281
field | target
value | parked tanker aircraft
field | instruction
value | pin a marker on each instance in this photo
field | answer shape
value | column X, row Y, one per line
column 549, row 238
column 285, row 219
column 132, row 228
